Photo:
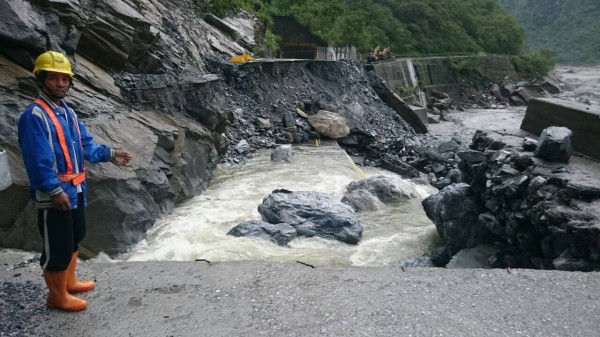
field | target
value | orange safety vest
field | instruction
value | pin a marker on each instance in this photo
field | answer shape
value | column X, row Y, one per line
column 70, row 175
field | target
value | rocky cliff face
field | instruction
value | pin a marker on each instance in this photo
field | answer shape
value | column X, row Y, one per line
column 169, row 116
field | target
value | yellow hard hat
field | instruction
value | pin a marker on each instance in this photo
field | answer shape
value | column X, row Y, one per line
column 53, row 61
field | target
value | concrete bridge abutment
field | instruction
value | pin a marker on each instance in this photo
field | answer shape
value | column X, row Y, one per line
column 582, row 119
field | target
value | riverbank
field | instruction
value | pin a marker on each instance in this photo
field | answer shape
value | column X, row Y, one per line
column 270, row 299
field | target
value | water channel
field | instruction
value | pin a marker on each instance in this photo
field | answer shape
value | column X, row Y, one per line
column 198, row 228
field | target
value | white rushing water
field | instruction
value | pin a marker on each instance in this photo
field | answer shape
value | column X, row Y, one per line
column 580, row 84
column 197, row 229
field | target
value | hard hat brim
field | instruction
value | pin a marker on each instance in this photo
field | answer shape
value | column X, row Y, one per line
column 37, row 71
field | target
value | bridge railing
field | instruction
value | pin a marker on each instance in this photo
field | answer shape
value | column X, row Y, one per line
column 338, row 53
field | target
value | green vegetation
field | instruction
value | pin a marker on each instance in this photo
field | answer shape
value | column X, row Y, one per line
column 407, row 92
column 408, row 27
column 533, row 65
column 466, row 67
column 569, row 28
column 223, row 7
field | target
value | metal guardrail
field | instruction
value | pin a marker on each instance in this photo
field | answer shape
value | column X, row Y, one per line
column 338, row 53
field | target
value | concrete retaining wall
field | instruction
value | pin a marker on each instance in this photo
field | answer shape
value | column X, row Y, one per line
column 401, row 78
column 582, row 119
column 443, row 74
column 440, row 73
column 414, row 79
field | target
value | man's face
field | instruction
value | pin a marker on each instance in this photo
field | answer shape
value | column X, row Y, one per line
column 56, row 85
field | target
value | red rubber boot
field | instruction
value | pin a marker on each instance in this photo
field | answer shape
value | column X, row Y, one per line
column 59, row 298
column 73, row 284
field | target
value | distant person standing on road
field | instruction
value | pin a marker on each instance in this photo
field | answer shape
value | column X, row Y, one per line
column 54, row 143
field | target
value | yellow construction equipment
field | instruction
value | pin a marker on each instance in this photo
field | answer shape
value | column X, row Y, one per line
column 237, row 59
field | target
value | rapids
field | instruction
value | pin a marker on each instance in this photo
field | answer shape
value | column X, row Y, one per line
column 580, row 84
column 197, row 229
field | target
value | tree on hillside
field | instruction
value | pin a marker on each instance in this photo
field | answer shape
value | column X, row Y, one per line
column 568, row 27
column 362, row 23
column 408, row 27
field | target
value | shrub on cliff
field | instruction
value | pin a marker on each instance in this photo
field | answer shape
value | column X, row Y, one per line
column 534, row 65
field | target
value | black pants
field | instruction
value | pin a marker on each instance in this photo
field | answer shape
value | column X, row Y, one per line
column 61, row 231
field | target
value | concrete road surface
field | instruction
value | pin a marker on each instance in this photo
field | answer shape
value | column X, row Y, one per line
column 268, row 299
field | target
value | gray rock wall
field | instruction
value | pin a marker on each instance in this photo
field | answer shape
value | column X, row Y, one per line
column 543, row 215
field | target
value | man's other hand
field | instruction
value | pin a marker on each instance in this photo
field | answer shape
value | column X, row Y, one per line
column 61, row 201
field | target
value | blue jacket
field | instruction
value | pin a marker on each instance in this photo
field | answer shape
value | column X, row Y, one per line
column 43, row 155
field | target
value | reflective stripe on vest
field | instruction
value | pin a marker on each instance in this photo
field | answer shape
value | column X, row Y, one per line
column 59, row 132
column 75, row 178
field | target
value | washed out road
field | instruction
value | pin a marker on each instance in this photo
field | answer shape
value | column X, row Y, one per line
column 270, row 299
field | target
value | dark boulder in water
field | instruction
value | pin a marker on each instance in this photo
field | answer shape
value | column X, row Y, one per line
column 312, row 214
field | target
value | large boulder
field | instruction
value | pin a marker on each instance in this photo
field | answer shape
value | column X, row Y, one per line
column 551, row 85
column 370, row 194
column 329, row 124
column 312, row 214
column 283, row 153
column 455, row 210
column 555, row 144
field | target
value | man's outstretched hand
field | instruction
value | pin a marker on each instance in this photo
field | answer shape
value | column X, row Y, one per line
column 123, row 157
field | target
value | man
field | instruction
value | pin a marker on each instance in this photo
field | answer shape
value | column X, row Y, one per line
column 55, row 143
